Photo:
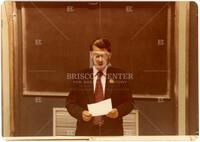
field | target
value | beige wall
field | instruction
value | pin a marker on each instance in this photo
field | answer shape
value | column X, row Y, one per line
column 7, row 45
column 5, row 72
column 181, row 44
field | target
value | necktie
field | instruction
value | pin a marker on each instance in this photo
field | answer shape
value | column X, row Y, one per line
column 98, row 120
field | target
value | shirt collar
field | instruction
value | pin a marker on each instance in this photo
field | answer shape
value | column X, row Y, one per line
column 95, row 71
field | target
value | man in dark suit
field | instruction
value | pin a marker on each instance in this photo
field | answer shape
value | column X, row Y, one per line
column 94, row 85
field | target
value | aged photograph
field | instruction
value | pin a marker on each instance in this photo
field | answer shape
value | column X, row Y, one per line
column 97, row 70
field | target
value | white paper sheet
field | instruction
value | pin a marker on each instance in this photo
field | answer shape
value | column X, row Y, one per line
column 100, row 108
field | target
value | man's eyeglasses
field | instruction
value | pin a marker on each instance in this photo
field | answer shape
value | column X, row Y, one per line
column 103, row 54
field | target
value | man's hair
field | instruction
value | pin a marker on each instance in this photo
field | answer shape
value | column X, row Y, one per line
column 101, row 43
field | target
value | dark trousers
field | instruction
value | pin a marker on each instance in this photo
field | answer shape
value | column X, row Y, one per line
column 96, row 131
column 101, row 131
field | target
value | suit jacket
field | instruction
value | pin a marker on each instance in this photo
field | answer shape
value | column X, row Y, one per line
column 82, row 93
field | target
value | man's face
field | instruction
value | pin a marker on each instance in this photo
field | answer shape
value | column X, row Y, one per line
column 100, row 58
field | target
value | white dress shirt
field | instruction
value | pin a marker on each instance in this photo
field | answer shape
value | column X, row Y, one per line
column 103, row 78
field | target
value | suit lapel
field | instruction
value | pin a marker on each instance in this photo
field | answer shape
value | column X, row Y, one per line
column 88, row 86
column 109, row 85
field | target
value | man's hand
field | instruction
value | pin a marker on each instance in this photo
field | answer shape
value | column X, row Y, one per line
column 113, row 113
column 86, row 115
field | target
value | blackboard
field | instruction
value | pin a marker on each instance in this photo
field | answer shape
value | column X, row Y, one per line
column 56, row 39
